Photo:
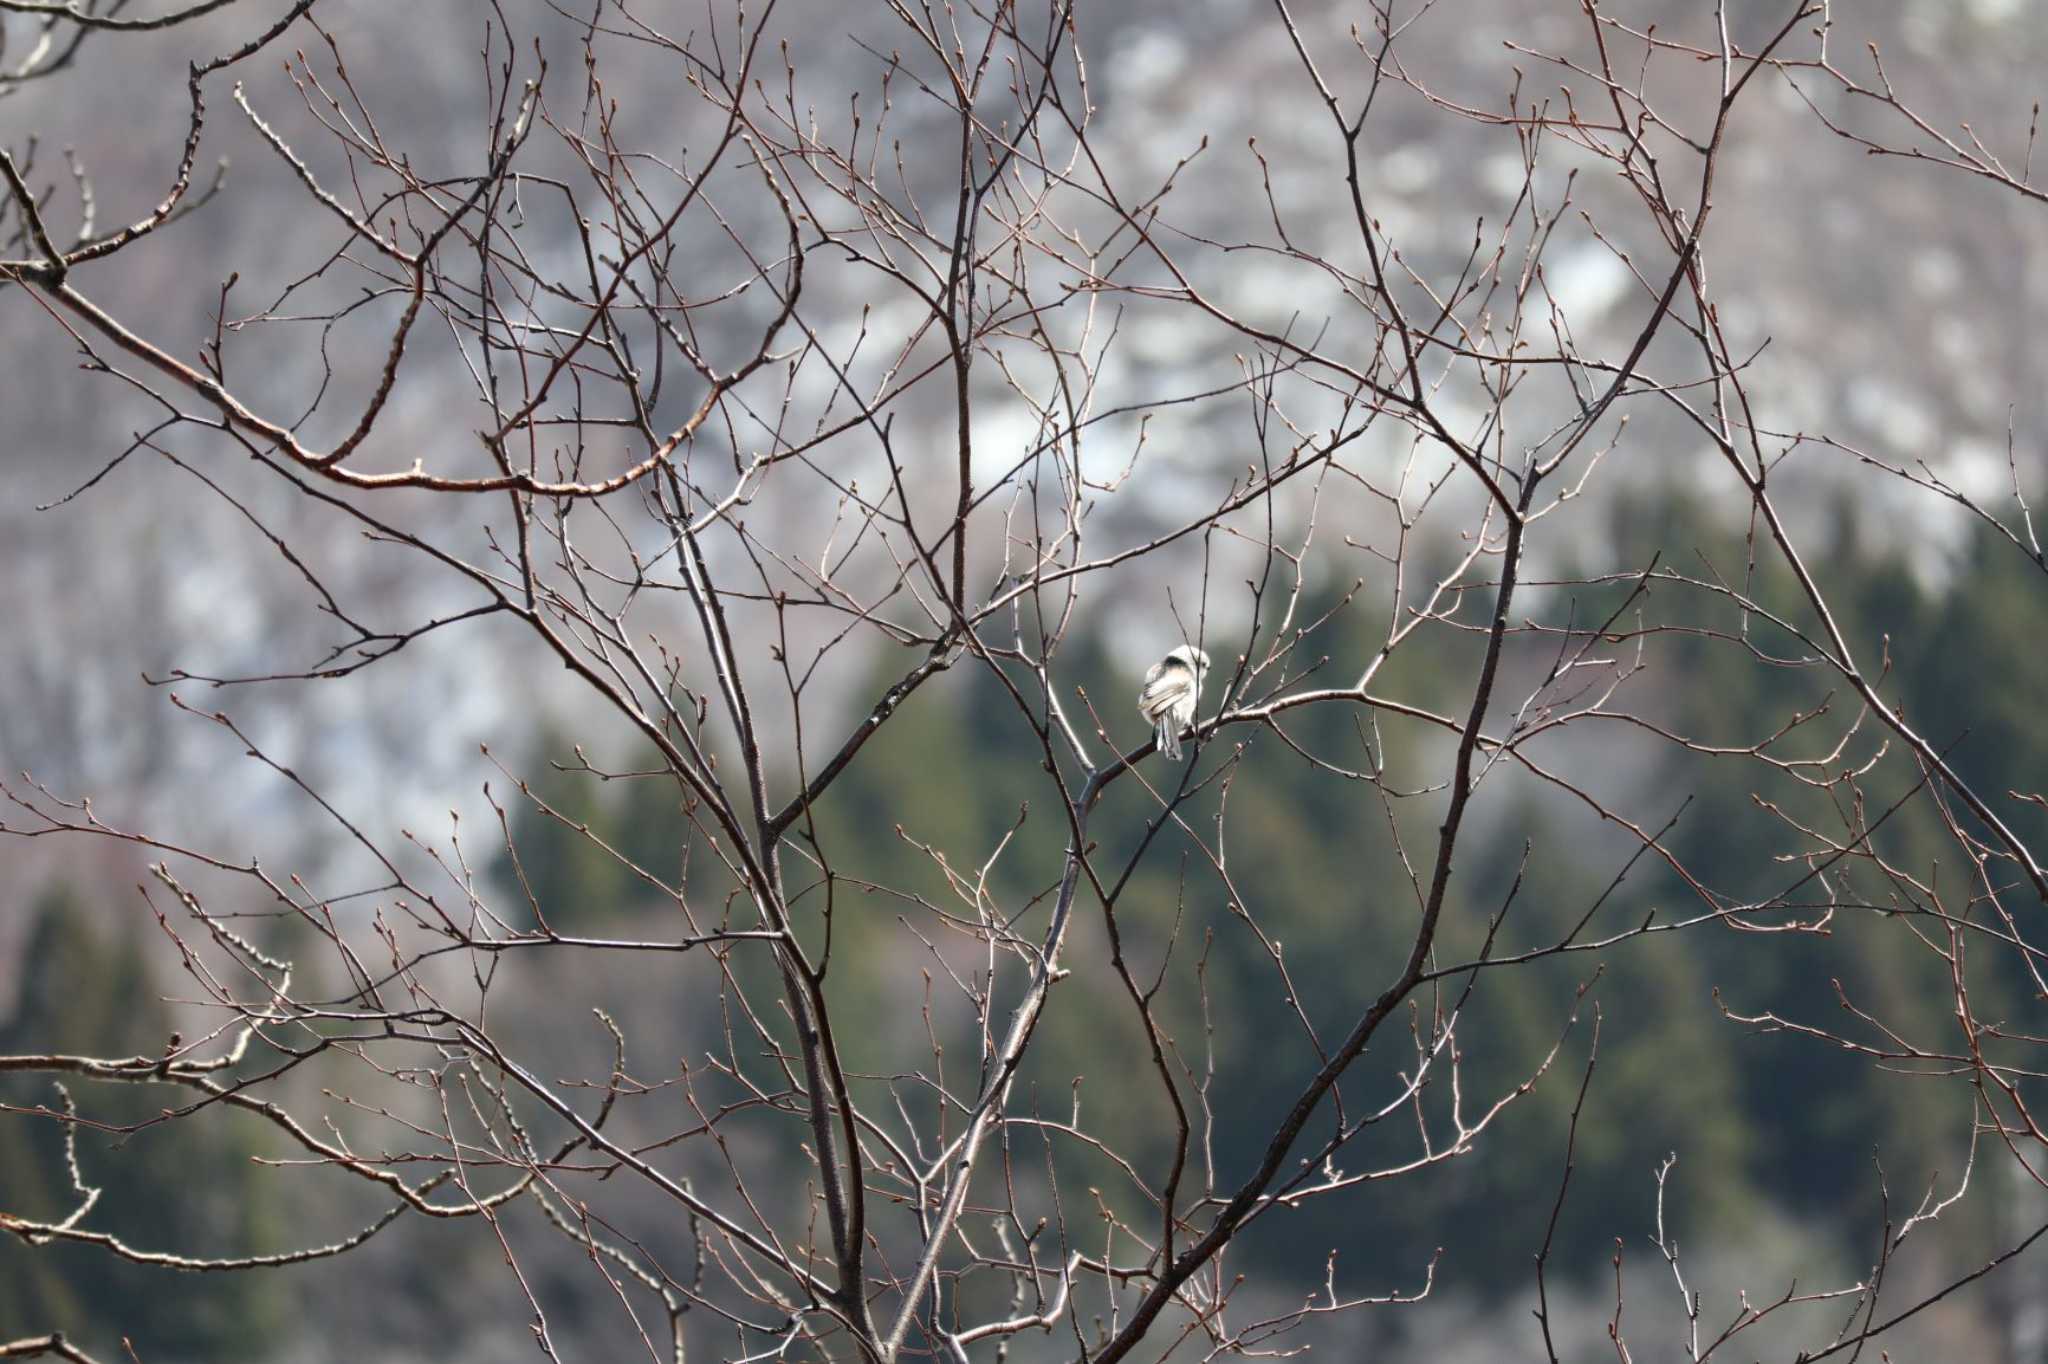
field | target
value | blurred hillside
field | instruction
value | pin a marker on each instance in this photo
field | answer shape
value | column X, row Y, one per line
column 1900, row 307
column 1896, row 301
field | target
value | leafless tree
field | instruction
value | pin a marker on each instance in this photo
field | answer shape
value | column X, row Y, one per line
column 681, row 373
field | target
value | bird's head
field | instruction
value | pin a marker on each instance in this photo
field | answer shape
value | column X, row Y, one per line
column 1190, row 657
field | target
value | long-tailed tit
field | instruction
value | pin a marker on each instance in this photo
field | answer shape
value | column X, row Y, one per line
column 1169, row 695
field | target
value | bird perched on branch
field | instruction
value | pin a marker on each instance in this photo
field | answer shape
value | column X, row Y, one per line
column 1168, row 698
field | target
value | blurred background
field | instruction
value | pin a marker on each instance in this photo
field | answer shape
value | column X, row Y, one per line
column 1899, row 303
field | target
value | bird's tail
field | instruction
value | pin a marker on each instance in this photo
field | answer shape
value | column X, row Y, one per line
column 1169, row 737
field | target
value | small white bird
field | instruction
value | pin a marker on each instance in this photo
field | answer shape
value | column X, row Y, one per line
column 1169, row 695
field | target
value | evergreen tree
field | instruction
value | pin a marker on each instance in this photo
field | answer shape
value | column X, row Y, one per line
column 181, row 1186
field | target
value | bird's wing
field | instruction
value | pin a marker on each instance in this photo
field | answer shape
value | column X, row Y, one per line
column 1168, row 680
